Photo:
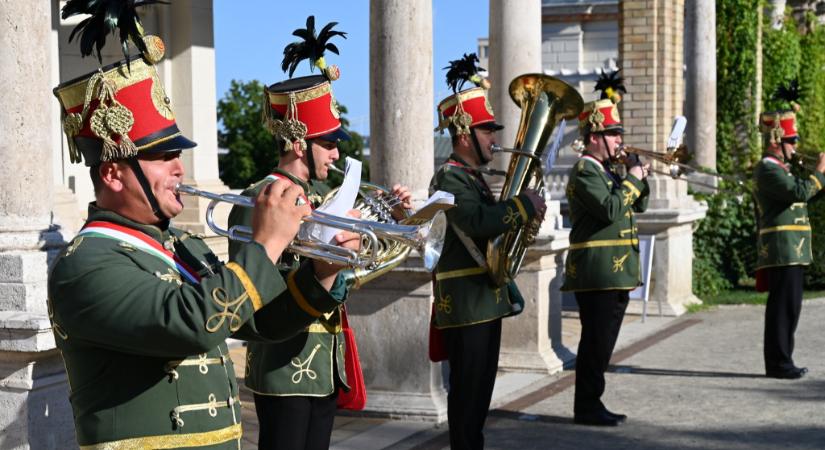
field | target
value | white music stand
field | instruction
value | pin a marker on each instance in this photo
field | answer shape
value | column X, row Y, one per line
column 646, row 262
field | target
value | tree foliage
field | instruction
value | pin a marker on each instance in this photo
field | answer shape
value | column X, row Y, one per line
column 253, row 152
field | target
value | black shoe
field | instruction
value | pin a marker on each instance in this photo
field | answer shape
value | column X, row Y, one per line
column 791, row 374
column 598, row 418
column 619, row 417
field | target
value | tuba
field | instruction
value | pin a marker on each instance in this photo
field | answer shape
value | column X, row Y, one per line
column 544, row 101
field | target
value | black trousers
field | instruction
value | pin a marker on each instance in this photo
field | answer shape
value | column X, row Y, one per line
column 473, row 366
column 601, row 314
column 295, row 423
column 782, row 316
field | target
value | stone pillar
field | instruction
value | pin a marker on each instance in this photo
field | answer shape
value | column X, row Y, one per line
column 391, row 318
column 700, row 99
column 188, row 73
column 392, row 314
column 651, row 56
column 33, row 391
column 401, row 93
column 515, row 49
column 66, row 207
column 531, row 341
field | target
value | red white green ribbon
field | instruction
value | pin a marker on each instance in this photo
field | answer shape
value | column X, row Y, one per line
column 774, row 160
column 140, row 241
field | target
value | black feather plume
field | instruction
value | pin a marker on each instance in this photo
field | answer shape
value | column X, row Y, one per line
column 463, row 70
column 789, row 93
column 312, row 47
column 610, row 84
column 105, row 17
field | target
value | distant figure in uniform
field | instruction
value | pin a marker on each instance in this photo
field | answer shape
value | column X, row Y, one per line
column 784, row 232
column 296, row 382
column 602, row 264
column 468, row 306
column 140, row 309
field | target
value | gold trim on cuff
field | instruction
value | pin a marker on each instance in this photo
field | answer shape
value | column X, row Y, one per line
column 460, row 273
column 521, row 209
column 227, row 434
column 299, row 296
column 785, row 228
column 632, row 188
column 321, row 328
column 604, row 243
column 818, row 184
column 247, row 285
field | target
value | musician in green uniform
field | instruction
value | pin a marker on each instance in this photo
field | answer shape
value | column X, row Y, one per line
column 468, row 306
column 784, row 242
column 602, row 264
column 296, row 382
column 140, row 309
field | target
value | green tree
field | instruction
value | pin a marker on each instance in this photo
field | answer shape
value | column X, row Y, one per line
column 253, row 151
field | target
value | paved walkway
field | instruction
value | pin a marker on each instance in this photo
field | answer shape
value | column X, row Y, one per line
column 691, row 383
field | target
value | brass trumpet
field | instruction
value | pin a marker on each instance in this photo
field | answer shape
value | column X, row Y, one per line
column 427, row 238
column 805, row 161
column 676, row 160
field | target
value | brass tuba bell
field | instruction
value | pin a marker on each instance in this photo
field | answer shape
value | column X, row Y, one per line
column 544, row 101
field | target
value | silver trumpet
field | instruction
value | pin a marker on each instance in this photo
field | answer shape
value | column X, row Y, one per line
column 427, row 238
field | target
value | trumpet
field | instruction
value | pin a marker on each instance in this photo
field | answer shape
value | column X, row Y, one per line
column 804, row 161
column 427, row 238
column 676, row 160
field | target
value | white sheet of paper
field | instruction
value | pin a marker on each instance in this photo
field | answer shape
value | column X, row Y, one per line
column 342, row 202
column 439, row 197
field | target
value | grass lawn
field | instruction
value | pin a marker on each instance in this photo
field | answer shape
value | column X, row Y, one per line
column 744, row 296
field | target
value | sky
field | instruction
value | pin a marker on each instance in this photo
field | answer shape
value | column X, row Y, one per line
column 250, row 37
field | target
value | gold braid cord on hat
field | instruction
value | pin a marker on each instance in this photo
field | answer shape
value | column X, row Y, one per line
column 774, row 131
column 290, row 129
column 460, row 119
column 596, row 120
column 110, row 119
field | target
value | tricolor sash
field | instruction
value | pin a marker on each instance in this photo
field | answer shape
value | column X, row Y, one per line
column 141, row 241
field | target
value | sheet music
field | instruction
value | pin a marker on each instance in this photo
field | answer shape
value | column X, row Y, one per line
column 343, row 201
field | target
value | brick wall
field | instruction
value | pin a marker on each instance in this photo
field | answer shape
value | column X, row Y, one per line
column 651, row 56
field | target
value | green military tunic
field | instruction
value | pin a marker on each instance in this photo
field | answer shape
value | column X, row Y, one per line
column 143, row 343
column 464, row 293
column 604, row 242
column 311, row 362
column 784, row 227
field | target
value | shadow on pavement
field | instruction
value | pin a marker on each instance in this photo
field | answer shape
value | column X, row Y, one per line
column 549, row 432
column 636, row 370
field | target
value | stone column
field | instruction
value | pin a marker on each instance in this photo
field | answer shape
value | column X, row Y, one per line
column 700, row 99
column 33, row 391
column 189, row 76
column 66, row 207
column 401, row 93
column 651, row 56
column 391, row 315
column 515, row 49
